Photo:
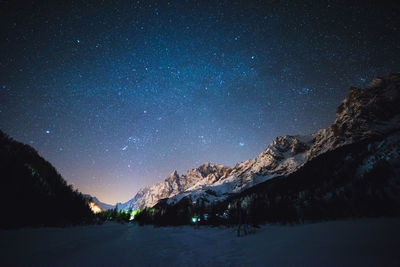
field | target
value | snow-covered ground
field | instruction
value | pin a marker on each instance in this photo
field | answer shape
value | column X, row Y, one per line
column 365, row 242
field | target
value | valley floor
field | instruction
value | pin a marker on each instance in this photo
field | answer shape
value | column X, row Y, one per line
column 364, row 242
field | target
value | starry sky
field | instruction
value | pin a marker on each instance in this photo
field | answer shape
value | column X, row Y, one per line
column 117, row 94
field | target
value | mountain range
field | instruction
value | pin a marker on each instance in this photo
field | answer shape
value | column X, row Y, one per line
column 368, row 116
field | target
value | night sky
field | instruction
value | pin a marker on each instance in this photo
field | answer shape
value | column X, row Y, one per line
column 117, row 94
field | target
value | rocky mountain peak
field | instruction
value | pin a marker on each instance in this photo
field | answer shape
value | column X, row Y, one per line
column 205, row 169
column 209, row 168
column 173, row 176
column 365, row 111
column 280, row 149
column 287, row 143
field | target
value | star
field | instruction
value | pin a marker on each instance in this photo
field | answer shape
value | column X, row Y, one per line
column 198, row 82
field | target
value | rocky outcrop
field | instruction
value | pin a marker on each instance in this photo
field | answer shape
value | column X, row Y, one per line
column 363, row 113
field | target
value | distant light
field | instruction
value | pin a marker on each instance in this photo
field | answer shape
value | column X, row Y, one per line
column 241, row 144
column 94, row 207
column 194, row 219
column 47, row 131
column 78, row 41
column 125, row 148
column 133, row 214
column 198, row 219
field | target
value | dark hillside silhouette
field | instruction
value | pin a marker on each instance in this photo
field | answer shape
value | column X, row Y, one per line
column 33, row 193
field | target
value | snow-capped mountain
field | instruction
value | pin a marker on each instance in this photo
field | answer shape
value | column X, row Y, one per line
column 216, row 182
column 175, row 184
column 364, row 113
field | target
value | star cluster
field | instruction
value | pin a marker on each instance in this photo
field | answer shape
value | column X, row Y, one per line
column 117, row 94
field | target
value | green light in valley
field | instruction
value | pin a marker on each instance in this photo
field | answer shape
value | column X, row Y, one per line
column 133, row 214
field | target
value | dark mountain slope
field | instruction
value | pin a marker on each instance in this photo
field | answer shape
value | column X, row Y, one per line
column 357, row 180
column 33, row 193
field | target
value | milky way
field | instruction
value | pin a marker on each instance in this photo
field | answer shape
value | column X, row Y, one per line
column 117, row 94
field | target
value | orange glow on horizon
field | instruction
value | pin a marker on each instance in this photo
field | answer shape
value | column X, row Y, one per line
column 94, row 207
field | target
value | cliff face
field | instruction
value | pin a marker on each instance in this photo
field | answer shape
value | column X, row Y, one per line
column 364, row 113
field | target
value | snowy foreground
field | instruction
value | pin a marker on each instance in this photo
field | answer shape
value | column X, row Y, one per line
column 365, row 242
